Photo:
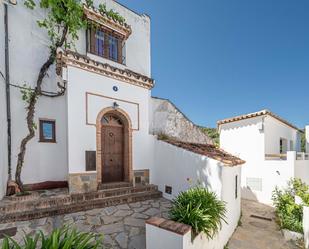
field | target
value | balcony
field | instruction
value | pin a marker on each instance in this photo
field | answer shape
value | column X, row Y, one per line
column 301, row 156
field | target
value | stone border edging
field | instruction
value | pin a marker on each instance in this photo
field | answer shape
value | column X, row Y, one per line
column 169, row 225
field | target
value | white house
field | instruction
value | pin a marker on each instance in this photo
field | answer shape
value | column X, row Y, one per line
column 70, row 127
column 103, row 130
column 271, row 147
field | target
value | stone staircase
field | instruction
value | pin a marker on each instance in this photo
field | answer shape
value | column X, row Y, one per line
column 107, row 195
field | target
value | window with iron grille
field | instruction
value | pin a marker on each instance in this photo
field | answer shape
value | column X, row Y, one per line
column 106, row 44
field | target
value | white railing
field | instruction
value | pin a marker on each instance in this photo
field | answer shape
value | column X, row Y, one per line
column 299, row 156
column 302, row 156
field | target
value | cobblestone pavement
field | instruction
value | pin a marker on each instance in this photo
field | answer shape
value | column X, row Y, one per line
column 123, row 226
column 257, row 233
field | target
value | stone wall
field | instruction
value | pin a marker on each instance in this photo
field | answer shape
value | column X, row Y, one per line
column 167, row 119
column 141, row 177
column 83, row 182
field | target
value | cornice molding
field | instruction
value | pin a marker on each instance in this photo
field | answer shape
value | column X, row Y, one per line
column 70, row 58
column 95, row 16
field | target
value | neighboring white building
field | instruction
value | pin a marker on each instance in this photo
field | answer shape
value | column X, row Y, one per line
column 271, row 147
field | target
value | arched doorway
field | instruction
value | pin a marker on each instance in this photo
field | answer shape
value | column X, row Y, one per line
column 112, row 137
column 114, row 146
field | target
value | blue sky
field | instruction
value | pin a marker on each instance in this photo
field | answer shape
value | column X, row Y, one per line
column 219, row 58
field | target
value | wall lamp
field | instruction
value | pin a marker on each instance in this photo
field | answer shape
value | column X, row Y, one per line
column 115, row 105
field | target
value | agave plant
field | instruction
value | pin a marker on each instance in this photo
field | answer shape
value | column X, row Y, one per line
column 62, row 238
column 201, row 209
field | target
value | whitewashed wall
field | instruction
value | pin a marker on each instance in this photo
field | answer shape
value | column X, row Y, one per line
column 174, row 165
column 82, row 137
column 3, row 121
column 46, row 161
column 273, row 173
column 167, row 239
column 306, row 226
column 172, row 240
column 246, row 140
column 301, row 170
column 274, row 130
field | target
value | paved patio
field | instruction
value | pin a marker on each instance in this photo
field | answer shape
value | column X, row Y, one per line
column 123, row 226
column 257, row 233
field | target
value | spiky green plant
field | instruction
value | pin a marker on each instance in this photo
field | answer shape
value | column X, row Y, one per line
column 62, row 238
column 201, row 209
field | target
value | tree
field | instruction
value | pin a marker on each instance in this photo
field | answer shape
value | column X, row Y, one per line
column 213, row 134
column 64, row 19
column 303, row 142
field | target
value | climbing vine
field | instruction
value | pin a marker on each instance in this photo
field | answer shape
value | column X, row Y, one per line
column 62, row 23
column 111, row 14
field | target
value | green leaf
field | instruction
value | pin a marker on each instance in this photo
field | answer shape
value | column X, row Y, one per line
column 199, row 208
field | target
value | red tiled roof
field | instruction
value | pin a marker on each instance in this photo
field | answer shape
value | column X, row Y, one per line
column 257, row 114
column 208, row 150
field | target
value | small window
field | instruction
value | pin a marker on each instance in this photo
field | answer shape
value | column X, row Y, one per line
column 283, row 145
column 168, row 190
column 48, row 131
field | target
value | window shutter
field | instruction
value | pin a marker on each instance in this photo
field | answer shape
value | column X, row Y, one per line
column 90, row 160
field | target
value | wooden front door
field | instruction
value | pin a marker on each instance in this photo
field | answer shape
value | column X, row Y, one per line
column 112, row 149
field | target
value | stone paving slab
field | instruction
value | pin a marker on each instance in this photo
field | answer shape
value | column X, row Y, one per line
column 123, row 226
column 257, row 233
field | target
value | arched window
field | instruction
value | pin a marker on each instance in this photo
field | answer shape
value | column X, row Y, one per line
column 111, row 120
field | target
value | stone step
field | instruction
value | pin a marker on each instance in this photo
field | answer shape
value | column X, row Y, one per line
column 113, row 185
column 63, row 200
column 81, row 205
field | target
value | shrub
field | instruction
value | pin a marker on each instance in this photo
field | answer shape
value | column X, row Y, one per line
column 62, row 238
column 213, row 134
column 289, row 213
column 199, row 208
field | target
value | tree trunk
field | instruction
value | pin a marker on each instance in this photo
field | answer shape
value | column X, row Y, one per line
column 31, row 109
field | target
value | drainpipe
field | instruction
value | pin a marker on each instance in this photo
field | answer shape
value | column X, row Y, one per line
column 7, row 88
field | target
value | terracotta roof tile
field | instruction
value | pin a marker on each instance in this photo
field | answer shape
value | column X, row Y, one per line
column 74, row 59
column 257, row 114
column 208, row 150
